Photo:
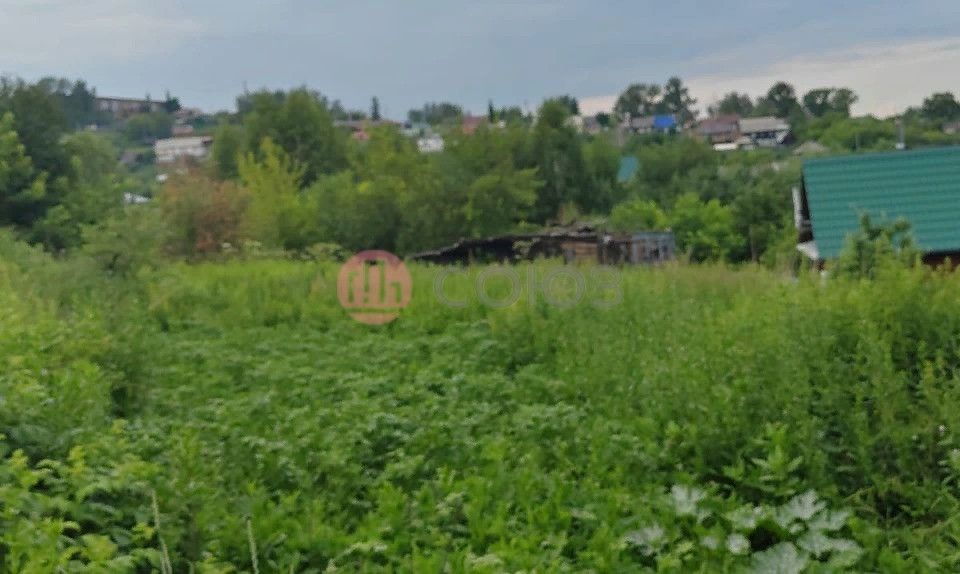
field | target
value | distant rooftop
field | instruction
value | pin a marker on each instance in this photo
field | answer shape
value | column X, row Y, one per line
column 764, row 124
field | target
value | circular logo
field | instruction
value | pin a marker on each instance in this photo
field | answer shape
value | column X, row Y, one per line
column 373, row 286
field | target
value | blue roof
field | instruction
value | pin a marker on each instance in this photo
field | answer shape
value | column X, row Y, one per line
column 664, row 122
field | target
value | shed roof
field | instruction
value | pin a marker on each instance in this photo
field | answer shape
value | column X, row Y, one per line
column 628, row 168
column 764, row 124
column 922, row 186
column 718, row 124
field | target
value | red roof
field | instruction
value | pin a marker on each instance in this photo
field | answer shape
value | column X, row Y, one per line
column 470, row 124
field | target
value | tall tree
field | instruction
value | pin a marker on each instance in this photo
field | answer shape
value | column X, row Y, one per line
column 375, row 109
column 558, row 156
column 300, row 123
column 676, row 100
column 40, row 124
column 941, row 107
column 276, row 216
column 732, row 103
column 821, row 101
column 842, row 100
column 171, row 104
column 780, row 101
column 227, row 149
column 637, row 100
column 436, row 113
column 23, row 197
column 571, row 103
column 704, row 230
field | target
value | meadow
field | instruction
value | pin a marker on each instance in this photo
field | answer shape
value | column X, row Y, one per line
column 230, row 417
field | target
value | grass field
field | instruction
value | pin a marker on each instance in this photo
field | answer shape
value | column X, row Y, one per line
column 230, row 417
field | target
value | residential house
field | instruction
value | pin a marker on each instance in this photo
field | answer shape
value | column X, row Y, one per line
column 470, row 124
column 360, row 129
column 123, row 107
column 921, row 186
column 185, row 148
column 763, row 132
column 951, row 128
column 431, row 143
column 415, row 129
column 653, row 124
column 723, row 129
column 585, row 124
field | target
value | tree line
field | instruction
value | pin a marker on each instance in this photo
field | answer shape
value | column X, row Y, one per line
column 284, row 176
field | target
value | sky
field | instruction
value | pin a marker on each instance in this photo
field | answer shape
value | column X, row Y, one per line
column 892, row 53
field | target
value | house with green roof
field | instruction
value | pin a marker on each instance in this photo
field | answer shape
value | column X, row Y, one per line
column 921, row 186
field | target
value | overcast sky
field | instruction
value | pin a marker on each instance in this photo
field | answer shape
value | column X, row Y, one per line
column 892, row 52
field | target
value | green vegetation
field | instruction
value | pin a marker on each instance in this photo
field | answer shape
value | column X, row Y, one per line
column 712, row 420
column 181, row 391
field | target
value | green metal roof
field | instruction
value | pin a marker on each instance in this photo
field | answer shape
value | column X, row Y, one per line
column 628, row 168
column 922, row 186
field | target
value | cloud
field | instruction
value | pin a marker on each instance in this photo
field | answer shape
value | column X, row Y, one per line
column 62, row 35
column 888, row 78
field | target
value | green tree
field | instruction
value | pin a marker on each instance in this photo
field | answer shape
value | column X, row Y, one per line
column 863, row 133
column 602, row 159
column 704, row 230
column 277, row 214
column 375, row 109
column 301, row 125
column 23, row 189
column 761, row 211
column 228, row 147
column 434, row 113
column 676, row 100
column 732, row 103
column 557, row 154
column 147, row 127
column 40, row 124
column 171, row 104
column 637, row 215
column 571, row 103
column 780, row 101
column 397, row 194
column 127, row 240
column 637, row 100
column 941, row 107
column 80, row 105
column 95, row 192
column 482, row 182
column 875, row 247
column 821, row 101
column 671, row 168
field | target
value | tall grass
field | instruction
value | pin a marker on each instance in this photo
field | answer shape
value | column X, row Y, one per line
column 622, row 436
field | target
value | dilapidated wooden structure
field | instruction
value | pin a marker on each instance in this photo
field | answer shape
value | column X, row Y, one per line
column 574, row 245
